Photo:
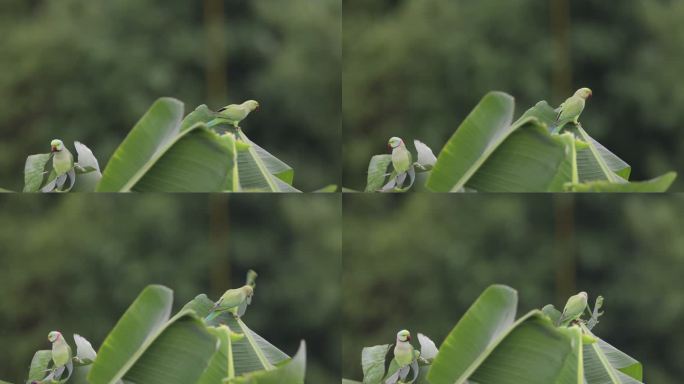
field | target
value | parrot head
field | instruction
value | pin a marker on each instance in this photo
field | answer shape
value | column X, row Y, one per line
column 584, row 93
column 394, row 142
column 56, row 145
column 54, row 336
column 404, row 335
column 585, row 295
column 252, row 105
column 249, row 291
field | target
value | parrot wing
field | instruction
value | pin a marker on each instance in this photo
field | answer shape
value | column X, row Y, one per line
column 571, row 108
column 230, row 299
column 242, row 308
column 233, row 112
column 401, row 159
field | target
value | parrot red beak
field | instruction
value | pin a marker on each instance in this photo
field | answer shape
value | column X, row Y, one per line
column 53, row 149
column 389, row 147
column 408, row 338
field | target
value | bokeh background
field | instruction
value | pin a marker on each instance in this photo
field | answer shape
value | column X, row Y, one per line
column 76, row 263
column 415, row 69
column 87, row 70
column 417, row 263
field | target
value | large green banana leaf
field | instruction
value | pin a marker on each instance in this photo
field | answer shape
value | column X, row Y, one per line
column 463, row 350
column 221, row 364
column 179, row 354
column 164, row 153
column 491, row 153
column 621, row 361
column 659, row 184
column 124, row 344
column 261, row 171
column 488, row 347
column 485, row 128
column 511, row 169
column 252, row 353
column 257, row 169
column 534, row 352
column 290, row 372
column 605, row 364
column 594, row 161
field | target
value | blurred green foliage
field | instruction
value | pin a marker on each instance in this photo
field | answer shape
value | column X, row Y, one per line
column 416, row 68
column 75, row 263
column 87, row 71
column 417, row 263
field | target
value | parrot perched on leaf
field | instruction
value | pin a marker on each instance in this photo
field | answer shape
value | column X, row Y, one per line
column 61, row 352
column 234, row 301
column 572, row 108
column 62, row 160
column 403, row 350
column 235, row 113
column 406, row 357
column 574, row 308
column 401, row 157
column 402, row 162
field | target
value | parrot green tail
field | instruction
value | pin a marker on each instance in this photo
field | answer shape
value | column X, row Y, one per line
column 212, row 316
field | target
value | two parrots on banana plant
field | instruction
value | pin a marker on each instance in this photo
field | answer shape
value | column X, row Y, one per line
column 235, row 300
column 235, row 113
column 572, row 108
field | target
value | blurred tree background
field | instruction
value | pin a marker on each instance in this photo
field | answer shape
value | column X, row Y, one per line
column 87, row 71
column 417, row 263
column 416, row 68
column 76, row 263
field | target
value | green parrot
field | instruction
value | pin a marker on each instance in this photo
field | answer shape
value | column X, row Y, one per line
column 406, row 357
column 62, row 160
column 61, row 352
column 401, row 157
column 403, row 350
column 572, row 108
column 235, row 113
column 234, row 301
column 574, row 308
